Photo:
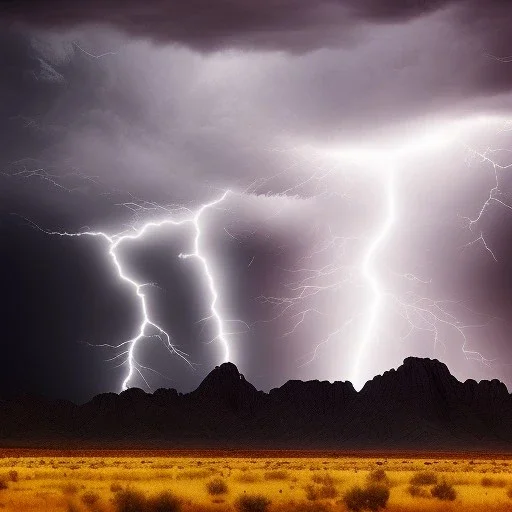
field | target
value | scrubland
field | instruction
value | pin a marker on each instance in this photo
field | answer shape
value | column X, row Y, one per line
column 117, row 483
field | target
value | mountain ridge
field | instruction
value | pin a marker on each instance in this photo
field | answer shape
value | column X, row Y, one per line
column 418, row 406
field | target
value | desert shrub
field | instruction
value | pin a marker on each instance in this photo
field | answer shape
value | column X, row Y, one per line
column 373, row 497
column 248, row 478
column 254, row 503
column 378, row 476
column 164, row 502
column 216, row 486
column 69, row 489
column 325, row 479
column 493, row 482
column 130, row 501
column 90, row 498
column 417, row 491
column 444, row 491
column 13, row 475
column 424, row 478
column 115, row 487
column 318, row 492
column 3, row 484
column 509, row 493
column 312, row 492
column 276, row 475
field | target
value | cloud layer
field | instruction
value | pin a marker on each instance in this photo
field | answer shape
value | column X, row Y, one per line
column 111, row 105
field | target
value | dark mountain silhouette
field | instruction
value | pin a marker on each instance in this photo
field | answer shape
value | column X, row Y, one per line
column 419, row 406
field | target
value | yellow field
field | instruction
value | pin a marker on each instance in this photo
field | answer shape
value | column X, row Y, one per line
column 91, row 483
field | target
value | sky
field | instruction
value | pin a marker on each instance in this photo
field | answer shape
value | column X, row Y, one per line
column 364, row 145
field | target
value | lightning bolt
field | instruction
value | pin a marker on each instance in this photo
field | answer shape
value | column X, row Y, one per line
column 418, row 312
column 369, row 273
column 114, row 242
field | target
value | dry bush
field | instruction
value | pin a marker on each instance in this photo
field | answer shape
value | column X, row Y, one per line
column 216, row 486
column 378, row 476
column 69, row 489
column 444, row 491
column 373, row 497
column 3, row 484
column 254, row 503
column 318, row 492
column 248, row 478
column 493, row 482
column 325, row 479
column 129, row 501
column 417, row 492
column 13, row 475
column 276, row 475
column 509, row 493
column 424, row 478
column 115, row 487
column 163, row 502
column 90, row 498
column 325, row 489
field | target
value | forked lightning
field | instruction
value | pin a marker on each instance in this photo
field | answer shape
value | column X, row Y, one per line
column 114, row 242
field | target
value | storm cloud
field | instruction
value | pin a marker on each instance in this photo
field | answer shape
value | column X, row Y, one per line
column 110, row 106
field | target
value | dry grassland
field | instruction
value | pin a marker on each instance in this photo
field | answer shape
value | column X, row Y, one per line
column 118, row 483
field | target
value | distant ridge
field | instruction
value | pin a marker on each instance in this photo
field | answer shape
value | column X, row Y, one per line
column 419, row 406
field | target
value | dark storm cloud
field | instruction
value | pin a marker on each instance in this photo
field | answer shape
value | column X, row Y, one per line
column 290, row 25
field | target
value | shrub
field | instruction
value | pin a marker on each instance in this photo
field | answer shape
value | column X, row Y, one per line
column 444, row 491
column 493, row 482
column 325, row 489
column 276, row 475
column 216, row 486
column 164, row 502
column 13, row 475
column 255, row 503
column 312, row 493
column 69, row 489
column 317, row 492
column 373, row 498
column 248, row 478
column 325, row 479
column 115, row 487
column 509, row 493
column 417, row 492
column 129, row 501
column 378, row 476
column 424, row 478
column 3, row 484
column 90, row 498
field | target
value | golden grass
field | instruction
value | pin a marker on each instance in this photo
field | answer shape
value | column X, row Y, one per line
column 81, row 484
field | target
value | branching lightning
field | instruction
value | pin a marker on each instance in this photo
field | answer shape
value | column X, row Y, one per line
column 416, row 309
column 148, row 327
column 419, row 312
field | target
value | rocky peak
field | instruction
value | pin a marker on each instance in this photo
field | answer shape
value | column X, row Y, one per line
column 226, row 385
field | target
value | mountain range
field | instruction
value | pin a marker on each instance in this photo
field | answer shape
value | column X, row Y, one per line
column 418, row 406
